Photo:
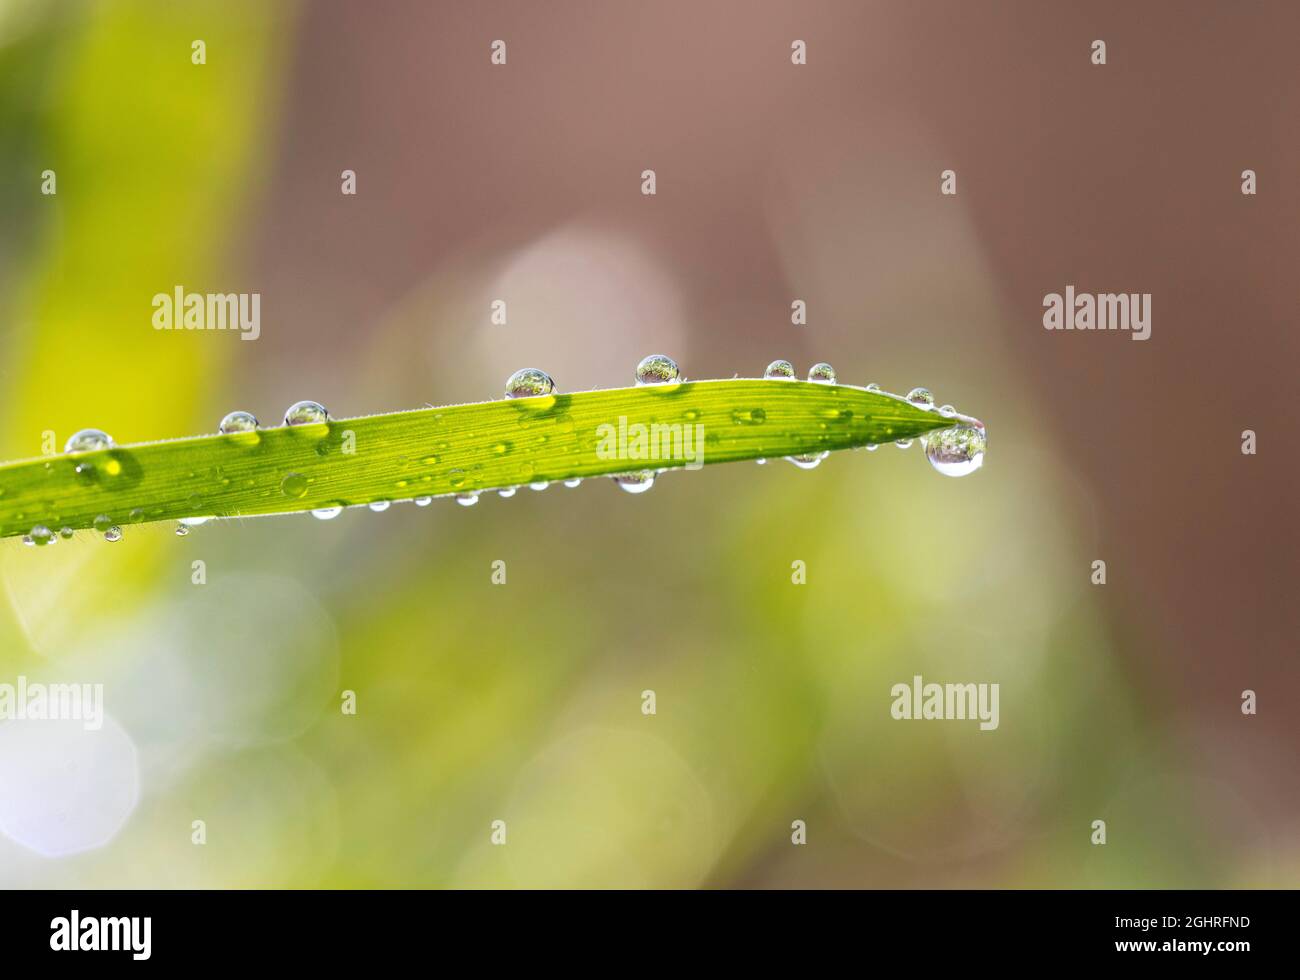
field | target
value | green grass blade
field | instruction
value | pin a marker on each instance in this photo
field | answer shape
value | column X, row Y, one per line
column 451, row 450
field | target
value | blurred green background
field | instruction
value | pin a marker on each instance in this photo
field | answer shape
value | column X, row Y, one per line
column 522, row 702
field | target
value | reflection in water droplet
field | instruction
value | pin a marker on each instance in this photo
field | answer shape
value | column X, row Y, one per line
column 87, row 441
column 638, row 482
column 822, row 373
column 947, row 411
column 903, row 443
column 113, row 534
column 306, row 413
column 181, row 530
column 956, row 451
column 921, row 397
column 65, row 532
column 327, row 513
column 529, row 383
column 657, row 369
column 237, row 422
column 783, row 370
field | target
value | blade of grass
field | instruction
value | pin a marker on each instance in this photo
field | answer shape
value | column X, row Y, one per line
column 440, row 451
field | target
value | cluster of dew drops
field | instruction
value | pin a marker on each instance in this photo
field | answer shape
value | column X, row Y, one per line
column 954, row 451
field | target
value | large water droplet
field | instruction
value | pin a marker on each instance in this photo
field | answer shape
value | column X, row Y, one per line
column 657, row 369
column 239, row 422
column 921, row 397
column 306, row 413
column 529, row 383
column 87, row 441
column 807, row 461
column 327, row 513
column 782, row 370
column 638, row 482
column 40, row 536
column 822, row 373
column 956, row 451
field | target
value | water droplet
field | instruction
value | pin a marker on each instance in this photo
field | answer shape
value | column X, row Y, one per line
column 182, row 530
column 40, row 536
column 327, row 513
column 294, row 485
column 467, row 499
column 921, row 397
column 872, row 447
column 529, row 383
column 65, row 532
column 539, row 485
column 240, row 422
column 947, row 411
column 306, row 413
column 956, row 451
column 782, row 370
column 753, row 416
column 657, row 369
column 872, row 386
column 903, row 443
column 195, row 521
column 822, row 373
column 423, row 501
column 761, row 462
column 87, row 441
column 808, row 461
column 379, row 506
column 576, row 481
column 113, row 534
column 638, row 482
column 102, row 523
column 506, row 492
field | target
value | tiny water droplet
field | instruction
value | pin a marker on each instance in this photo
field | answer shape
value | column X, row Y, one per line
column 539, row 485
column 576, row 481
column 195, row 521
column 822, row 373
column 327, row 513
column 65, row 532
column 306, row 413
column 752, row 416
column 657, row 369
column 529, row 383
column 782, row 370
column 903, row 443
column 423, row 501
column 872, row 447
column 507, row 492
column 113, row 534
column 379, row 506
column 638, row 482
column 294, row 485
column 238, row 422
column 102, row 523
column 921, row 397
column 872, row 386
column 87, row 441
column 956, row 451
column 182, row 530
column 761, row 462
column 467, row 499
